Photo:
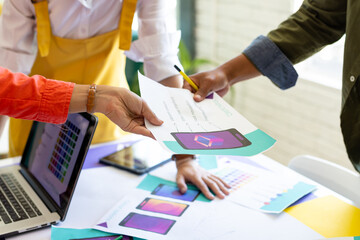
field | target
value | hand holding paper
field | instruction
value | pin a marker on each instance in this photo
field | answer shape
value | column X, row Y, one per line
column 210, row 127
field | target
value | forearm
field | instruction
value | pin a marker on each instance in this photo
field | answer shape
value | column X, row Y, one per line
column 104, row 96
column 34, row 98
column 120, row 105
column 238, row 69
column 79, row 98
column 173, row 81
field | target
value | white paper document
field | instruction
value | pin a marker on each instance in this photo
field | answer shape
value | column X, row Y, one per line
column 210, row 127
column 153, row 217
column 257, row 188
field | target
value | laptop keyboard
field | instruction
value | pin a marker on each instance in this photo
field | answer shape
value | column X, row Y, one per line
column 15, row 204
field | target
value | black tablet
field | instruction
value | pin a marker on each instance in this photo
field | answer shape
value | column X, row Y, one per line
column 141, row 157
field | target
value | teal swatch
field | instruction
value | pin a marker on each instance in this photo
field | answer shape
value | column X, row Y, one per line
column 150, row 182
column 357, row 238
column 285, row 199
column 260, row 141
column 58, row 233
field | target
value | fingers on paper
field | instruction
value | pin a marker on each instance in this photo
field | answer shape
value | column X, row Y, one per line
column 142, row 131
column 223, row 186
column 180, row 180
column 150, row 115
column 203, row 184
column 214, row 186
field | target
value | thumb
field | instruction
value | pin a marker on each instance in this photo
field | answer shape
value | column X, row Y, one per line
column 150, row 116
column 201, row 94
column 143, row 131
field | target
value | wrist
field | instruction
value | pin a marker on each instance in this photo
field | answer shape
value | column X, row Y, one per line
column 224, row 73
column 238, row 69
column 99, row 99
column 91, row 98
column 104, row 98
column 79, row 98
column 182, row 158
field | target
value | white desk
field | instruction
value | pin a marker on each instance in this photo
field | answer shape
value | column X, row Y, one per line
column 91, row 202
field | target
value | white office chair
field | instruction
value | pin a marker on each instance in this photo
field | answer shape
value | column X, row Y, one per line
column 330, row 175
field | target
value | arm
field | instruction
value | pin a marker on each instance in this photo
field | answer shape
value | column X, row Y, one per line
column 221, row 78
column 158, row 40
column 34, row 98
column 124, row 108
column 46, row 100
column 315, row 25
column 175, row 81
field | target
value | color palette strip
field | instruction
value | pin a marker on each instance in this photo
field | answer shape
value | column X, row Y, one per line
column 285, row 199
column 235, row 177
column 63, row 150
column 260, row 189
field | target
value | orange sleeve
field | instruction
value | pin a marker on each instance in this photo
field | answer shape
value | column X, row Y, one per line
column 34, row 98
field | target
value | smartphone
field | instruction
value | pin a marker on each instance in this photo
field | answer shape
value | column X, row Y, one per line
column 147, row 223
column 162, row 206
column 141, row 157
column 173, row 192
column 225, row 139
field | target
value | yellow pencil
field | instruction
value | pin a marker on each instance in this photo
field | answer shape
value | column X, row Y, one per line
column 187, row 78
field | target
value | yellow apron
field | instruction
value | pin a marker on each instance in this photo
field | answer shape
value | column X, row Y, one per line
column 84, row 61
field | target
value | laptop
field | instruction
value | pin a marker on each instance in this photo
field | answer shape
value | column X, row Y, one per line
column 37, row 193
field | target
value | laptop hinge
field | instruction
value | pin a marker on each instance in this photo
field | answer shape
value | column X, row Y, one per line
column 50, row 203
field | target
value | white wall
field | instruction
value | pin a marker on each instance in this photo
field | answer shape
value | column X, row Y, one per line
column 304, row 119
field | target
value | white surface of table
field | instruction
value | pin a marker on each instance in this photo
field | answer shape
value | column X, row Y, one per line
column 101, row 188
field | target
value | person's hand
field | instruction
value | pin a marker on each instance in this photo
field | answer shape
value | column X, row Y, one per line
column 221, row 78
column 125, row 109
column 210, row 81
column 189, row 171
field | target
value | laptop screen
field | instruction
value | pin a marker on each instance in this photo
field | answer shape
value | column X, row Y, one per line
column 54, row 154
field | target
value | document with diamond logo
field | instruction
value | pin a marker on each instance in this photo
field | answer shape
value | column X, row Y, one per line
column 210, row 127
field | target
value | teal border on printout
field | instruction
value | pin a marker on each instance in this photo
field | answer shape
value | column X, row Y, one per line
column 260, row 142
column 58, row 233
